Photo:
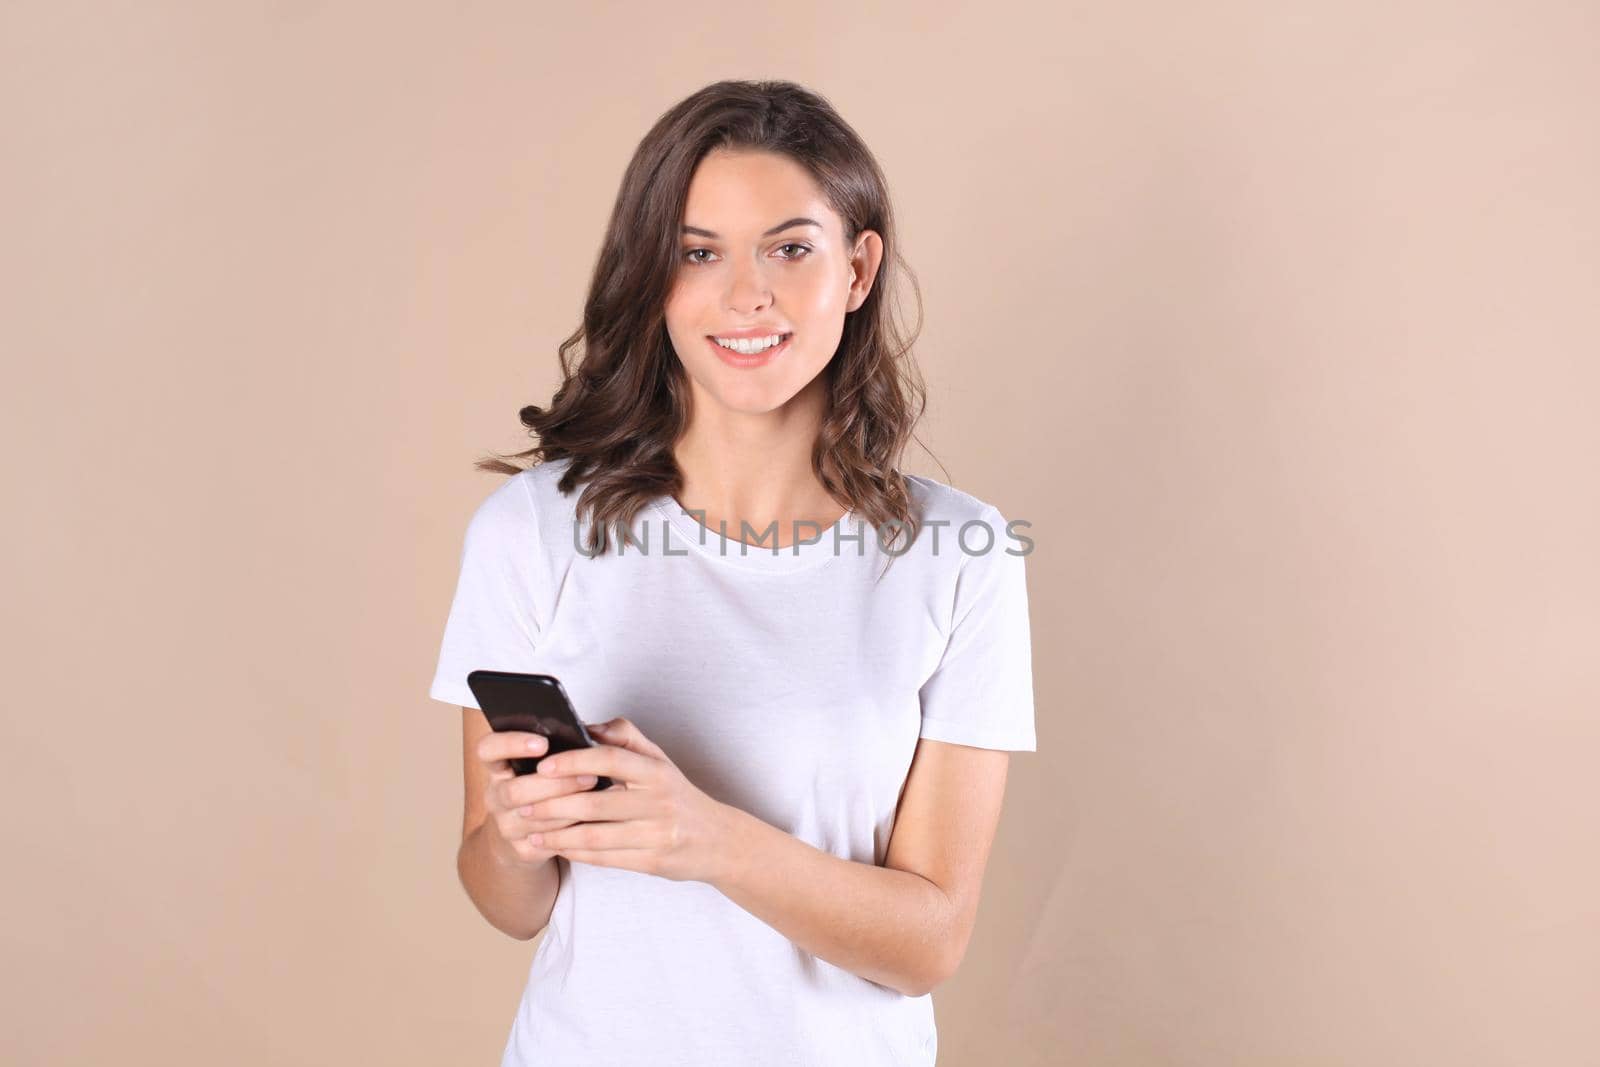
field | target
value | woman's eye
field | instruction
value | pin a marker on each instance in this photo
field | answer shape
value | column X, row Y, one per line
column 692, row 255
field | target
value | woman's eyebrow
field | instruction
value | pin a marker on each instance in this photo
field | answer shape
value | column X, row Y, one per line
column 802, row 221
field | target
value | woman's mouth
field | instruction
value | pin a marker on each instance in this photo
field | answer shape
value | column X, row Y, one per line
column 752, row 355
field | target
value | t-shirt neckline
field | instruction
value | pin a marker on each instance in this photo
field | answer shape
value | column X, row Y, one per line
column 689, row 534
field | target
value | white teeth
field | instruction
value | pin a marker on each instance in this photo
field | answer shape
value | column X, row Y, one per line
column 748, row 346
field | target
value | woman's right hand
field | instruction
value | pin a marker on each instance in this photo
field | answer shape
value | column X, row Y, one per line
column 508, row 794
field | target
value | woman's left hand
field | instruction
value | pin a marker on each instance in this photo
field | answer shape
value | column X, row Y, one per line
column 653, row 820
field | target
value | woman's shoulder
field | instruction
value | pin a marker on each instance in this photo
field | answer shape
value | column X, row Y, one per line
column 940, row 501
column 958, row 524
column 542, row 483
column 553, row 512
column 523, row 505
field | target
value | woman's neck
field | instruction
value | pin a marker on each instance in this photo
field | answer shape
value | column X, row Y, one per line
column 756, row 469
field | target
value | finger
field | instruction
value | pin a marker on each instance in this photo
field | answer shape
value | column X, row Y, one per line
column 510, row 744
column 606, row 805
column 538, row 824
column 532, row 788
column 625, row 734
column 603, row 836
column 610, row 760
column 523, row 827
column 632, row 859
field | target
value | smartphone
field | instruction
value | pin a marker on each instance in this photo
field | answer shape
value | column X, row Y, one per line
column 534, row 703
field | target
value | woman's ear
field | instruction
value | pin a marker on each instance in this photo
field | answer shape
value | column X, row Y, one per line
column 864, row 263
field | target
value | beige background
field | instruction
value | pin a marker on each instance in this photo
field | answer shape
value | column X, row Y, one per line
column 1279, row 322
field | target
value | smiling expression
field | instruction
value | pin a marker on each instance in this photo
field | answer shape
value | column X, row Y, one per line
column 760, row 254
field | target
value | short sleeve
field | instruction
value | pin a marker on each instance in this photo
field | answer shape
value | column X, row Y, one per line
column 981, row 693
column 492, row 623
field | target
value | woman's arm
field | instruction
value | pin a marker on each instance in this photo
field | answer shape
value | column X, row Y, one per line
column 515, row 898
column 905, row 924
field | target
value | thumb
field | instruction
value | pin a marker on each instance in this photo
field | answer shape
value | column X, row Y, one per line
column 624, row 734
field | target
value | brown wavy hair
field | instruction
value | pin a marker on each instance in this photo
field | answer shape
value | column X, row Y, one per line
column 618, row 413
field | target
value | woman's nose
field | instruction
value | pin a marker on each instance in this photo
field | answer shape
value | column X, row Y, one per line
column 748, row 289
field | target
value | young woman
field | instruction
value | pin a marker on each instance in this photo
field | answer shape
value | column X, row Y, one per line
column 811, row 667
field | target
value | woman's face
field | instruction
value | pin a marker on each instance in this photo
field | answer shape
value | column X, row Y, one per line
column 748, row 265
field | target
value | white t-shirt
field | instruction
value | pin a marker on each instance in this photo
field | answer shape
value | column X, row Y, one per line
column 792, row 684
